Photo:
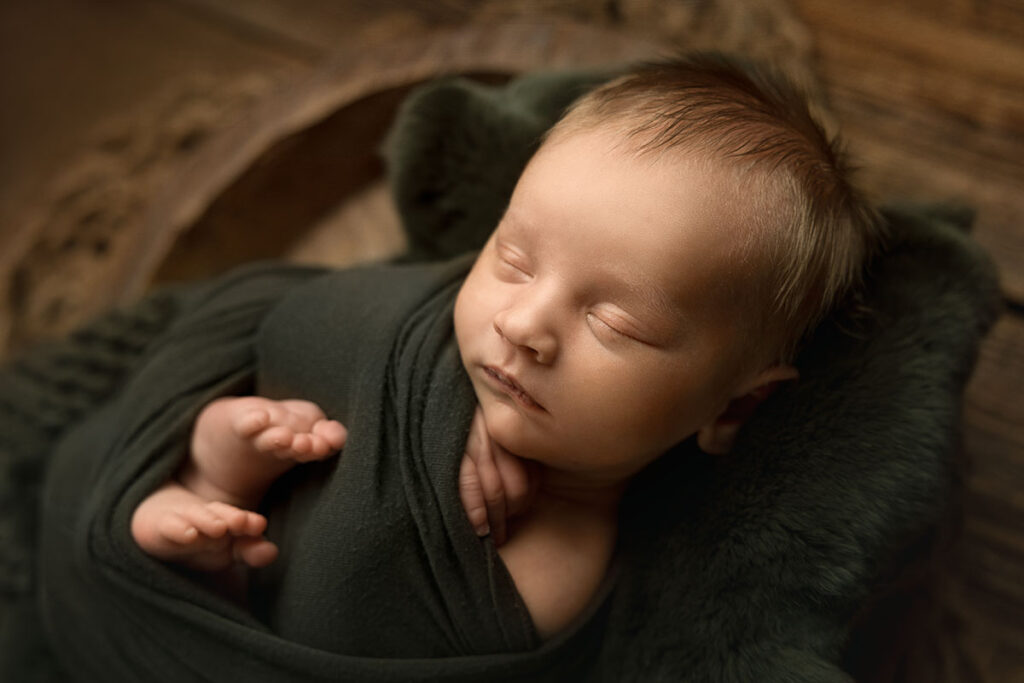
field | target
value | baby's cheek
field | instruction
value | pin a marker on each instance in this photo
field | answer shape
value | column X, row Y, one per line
column 641, row 415
column 463, row 319
column 471, row 306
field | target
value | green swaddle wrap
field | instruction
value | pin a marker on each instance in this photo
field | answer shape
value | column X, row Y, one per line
column 381, row 576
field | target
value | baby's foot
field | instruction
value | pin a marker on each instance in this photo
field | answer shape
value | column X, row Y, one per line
column 242, row 444
column 290, row 430
column 175, row 525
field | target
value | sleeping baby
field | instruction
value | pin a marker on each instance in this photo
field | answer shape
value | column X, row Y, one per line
column 665, row 251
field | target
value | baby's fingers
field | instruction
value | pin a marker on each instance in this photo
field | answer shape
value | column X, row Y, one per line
column 479, row 451
column 518, row 480
column 472, row 495
column 494, row 497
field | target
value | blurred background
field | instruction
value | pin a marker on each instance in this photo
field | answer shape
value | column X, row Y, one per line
column 146, row 141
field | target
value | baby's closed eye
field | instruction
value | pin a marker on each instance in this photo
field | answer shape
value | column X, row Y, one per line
column 512, row 261
column 615, row 328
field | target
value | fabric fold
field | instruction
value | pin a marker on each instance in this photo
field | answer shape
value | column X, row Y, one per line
column 386, row 513
column 381, row 577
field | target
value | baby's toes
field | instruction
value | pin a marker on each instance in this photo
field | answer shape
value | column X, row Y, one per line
column 296, row 415
column 255, row 524
column 322, row 447
column 206, row 521
column 319, row 448
column 305, row 411
column 239, row 522
column 303, row 445
column 174, row 527
column 251, row 422
column 313, row 447
column 332, row 432
column 275, row 439
column 255, row 552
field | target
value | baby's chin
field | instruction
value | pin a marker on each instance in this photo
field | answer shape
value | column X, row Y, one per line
column 515, row 432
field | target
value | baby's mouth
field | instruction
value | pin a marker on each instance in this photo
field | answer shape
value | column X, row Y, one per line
column 512, row 387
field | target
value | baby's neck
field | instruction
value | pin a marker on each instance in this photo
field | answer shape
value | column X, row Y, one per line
column 567, row 488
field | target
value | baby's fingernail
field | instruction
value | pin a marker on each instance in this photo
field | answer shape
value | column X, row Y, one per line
column 483, row 530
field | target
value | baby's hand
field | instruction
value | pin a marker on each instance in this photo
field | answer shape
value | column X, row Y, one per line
column 494, row 485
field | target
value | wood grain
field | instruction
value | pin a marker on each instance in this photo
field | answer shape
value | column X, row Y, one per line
column 259, row 187
column 935, row 110
column 930, row 95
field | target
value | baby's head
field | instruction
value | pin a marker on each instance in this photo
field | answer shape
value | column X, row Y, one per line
column 675, row 236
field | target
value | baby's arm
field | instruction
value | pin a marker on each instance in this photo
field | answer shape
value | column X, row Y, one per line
column 202, row 518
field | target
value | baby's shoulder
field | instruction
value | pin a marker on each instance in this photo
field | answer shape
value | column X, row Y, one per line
column 558, row 560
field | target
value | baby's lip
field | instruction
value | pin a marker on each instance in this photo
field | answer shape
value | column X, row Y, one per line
column 508, row 381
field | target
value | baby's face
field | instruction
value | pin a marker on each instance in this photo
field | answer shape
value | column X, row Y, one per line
column 594, row 325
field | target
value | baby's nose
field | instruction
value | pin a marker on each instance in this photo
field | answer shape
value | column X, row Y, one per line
column 526, row 328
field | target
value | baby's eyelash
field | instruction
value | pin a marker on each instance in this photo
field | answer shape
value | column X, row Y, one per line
column 512, row 259
column 511, row 264
column 605, row 325
column 512, row 270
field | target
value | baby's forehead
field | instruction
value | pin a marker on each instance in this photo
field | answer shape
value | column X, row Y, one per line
column 703, row 201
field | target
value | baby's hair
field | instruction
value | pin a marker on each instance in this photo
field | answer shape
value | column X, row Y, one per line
column 813, row 229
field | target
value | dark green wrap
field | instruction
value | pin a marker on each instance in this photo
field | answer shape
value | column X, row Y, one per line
column 381, row 577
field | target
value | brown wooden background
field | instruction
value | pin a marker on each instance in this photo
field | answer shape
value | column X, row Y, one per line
column 930, row 94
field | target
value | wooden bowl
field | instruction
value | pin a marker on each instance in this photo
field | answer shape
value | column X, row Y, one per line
column 302, row 177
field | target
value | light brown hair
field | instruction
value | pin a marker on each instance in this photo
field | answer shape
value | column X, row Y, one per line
column 813, row 229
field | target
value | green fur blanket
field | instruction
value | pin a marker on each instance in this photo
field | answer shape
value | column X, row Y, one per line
column 741, row 568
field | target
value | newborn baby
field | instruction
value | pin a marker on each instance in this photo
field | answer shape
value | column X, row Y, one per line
column 665, row 250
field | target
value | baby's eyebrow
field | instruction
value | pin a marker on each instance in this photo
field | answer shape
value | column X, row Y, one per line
column 652, row 298
column 511, row 220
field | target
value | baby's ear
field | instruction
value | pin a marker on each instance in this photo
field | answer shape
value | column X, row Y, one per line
column 717, row 437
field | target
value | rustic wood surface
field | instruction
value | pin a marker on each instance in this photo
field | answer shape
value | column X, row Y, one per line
column 929, row 93
column 318, row 141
